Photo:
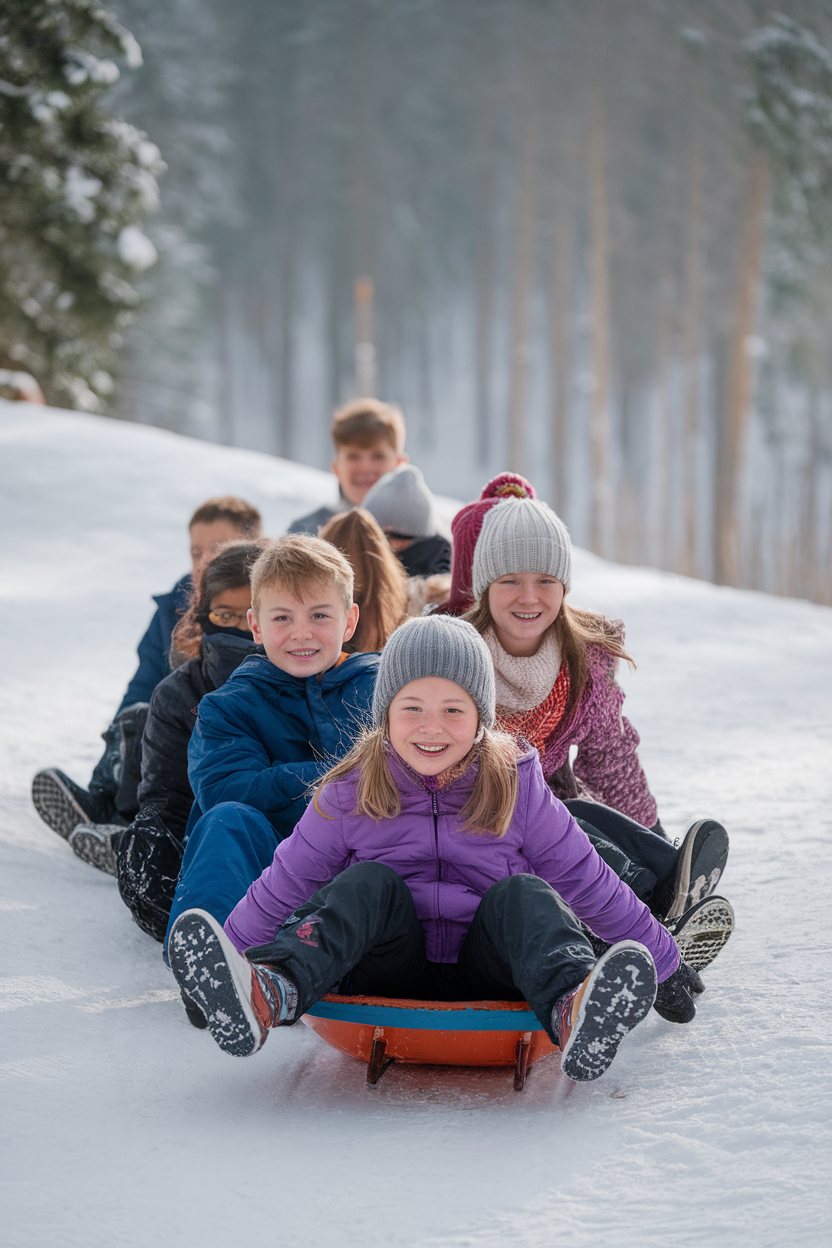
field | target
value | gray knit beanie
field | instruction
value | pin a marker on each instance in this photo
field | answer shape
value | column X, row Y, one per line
column 436, row 645
column 401, row 501
column 521, row 535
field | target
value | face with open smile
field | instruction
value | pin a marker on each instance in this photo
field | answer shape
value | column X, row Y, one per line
column 303, row 636
column 523, row 605
column 432, row 724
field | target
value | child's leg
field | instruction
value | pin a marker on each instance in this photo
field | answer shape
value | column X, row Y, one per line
column 524, row 935
column 359, row 932
column 227, row 850
column 524, row 939
column 637, row 856
column 148, row 859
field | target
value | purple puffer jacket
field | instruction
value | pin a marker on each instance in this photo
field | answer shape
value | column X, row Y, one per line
column 607, row 767
column 448, row 870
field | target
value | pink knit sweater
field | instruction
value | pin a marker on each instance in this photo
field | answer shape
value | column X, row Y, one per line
column 606, row 767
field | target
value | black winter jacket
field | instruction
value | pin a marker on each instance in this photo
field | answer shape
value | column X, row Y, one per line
column 170, row 722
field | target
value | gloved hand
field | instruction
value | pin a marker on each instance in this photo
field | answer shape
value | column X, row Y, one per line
column 674, row 999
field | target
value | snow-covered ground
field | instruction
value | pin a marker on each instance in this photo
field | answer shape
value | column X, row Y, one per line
column 121, row 1125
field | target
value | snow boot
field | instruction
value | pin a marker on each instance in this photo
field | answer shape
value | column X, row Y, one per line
column 96, row 843
column 702, row 930
column 240, row 1000
column 63, row 804
column 702, row 857
column 593, row 1019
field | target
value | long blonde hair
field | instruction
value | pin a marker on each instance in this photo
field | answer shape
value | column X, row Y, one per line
column 575, row 629
column 489, row 808
column 380, row 580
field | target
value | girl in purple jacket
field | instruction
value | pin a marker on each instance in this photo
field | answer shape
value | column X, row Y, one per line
column 435, row 863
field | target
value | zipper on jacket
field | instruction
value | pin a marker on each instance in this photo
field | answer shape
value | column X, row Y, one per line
column 434, row 806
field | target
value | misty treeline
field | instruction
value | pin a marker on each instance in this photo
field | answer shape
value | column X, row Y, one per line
column 597, row 236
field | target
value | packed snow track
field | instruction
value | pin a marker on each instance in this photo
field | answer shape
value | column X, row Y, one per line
column 123, row 1126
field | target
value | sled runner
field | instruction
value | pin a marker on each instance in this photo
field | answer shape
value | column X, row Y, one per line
column 383, row 1030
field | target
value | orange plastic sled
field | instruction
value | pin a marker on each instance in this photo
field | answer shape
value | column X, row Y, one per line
column 382, row 1030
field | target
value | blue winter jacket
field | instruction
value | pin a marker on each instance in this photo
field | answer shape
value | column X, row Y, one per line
column 266, row 736
column 154, row 647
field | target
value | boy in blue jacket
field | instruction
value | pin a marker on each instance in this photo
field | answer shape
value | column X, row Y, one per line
column 277, row 723
column 111, row 795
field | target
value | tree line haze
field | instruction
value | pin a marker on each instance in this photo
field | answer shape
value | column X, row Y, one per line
column 589, row 242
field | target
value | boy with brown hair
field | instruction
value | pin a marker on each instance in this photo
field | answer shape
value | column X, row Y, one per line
column 111, row 797
column 369, row 441
column 277, row 723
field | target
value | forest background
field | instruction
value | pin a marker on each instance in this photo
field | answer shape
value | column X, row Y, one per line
column 588, row 241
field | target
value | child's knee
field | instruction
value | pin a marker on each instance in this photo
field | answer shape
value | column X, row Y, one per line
column 377, row 877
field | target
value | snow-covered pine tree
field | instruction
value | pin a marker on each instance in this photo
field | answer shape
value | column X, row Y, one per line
column 75, row 185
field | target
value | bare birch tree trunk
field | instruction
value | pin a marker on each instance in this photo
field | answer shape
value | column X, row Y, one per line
column 362, row 210
column 561, row 320
column 484, row 165
column 522, row 285
column 365, row 351
column 727, row 567
column 599, row 263
column 691, row 339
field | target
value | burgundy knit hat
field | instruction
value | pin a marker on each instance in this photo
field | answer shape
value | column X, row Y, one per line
column 466, row 527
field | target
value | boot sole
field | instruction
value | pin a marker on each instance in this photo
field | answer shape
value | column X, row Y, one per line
column 701, row 863
column 94, row 848
column 619, row 993
column 217, row 980
column 702, row 931
column 55, row 804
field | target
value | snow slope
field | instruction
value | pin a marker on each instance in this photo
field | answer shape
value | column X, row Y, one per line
column 121, row 1125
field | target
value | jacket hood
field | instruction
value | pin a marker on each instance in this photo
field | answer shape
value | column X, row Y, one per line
column 259, row 669
column 222, row 654
column 177, row 596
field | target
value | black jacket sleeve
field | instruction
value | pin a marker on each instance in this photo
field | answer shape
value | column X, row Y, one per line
column 170, row 722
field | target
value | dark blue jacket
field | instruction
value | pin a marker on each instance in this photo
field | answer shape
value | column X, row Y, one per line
column 266, row 736
column 154, row 647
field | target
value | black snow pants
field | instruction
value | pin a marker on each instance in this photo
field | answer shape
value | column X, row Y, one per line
column 360, row 935
column 148, row 858
column 639, row 857
column 115, row 779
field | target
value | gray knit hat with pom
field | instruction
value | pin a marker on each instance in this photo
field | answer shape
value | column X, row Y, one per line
column 401, row 501
column 436, row 645
column 521, row 535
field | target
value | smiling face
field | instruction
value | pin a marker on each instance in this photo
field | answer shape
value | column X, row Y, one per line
column 303, row 636
column 523, row 605
column 359, row 467
column 432, row 724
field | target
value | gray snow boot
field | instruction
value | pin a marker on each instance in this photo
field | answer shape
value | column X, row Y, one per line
column 702, row 930
column 96, row 843
column 63, row 804
column 592, row 1020
column 702, row 858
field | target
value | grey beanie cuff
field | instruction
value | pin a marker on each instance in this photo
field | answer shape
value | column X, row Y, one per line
column 521, row 535
column 436, row 645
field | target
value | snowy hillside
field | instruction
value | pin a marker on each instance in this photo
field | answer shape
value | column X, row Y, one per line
column 122, row 1126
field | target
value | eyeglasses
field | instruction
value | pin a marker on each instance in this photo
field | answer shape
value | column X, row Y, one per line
column 230, row 619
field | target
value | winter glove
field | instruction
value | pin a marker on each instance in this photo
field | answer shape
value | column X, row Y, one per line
column 674, row 999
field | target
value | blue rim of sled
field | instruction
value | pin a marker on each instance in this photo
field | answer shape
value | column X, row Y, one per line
column 427, row 1019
